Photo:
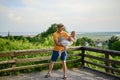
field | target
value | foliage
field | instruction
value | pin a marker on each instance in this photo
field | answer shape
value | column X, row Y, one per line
column 112, row 40
column 82, row 41
column 49, row 31
column 116, row 45
column 8, row 45
column 41, row 40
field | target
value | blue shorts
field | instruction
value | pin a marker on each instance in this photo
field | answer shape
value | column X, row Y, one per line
column 55, row 55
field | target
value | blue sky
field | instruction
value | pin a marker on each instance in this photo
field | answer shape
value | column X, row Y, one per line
column 78, row 15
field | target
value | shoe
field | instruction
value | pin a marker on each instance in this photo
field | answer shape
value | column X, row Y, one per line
column 47, row 75
column 64, row 78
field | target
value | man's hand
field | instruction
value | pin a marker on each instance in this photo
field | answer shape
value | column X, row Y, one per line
column 58, row 44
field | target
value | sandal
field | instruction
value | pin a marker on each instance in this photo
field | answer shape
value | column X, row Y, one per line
column 47, row 75
column 64, row 78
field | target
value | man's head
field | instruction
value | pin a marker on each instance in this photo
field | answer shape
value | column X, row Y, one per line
column 60, row 27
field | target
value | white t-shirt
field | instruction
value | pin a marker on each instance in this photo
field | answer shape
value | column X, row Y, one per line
column 65, row 43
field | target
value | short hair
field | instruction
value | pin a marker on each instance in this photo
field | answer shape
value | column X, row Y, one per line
column 60, row 25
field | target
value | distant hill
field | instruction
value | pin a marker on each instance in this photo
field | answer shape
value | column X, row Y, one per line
column 98, row 35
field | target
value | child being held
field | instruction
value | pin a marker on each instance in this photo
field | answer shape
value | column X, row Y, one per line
column 67, row 42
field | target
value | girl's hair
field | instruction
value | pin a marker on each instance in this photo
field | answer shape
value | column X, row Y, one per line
column 73, row 32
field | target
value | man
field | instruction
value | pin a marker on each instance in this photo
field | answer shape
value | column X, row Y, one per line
column 57, row 36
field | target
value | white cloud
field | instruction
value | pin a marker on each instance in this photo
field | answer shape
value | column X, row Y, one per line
column 75, row 14
column 14, row 17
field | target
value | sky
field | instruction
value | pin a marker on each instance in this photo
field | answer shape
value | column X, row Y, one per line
column 78, row 15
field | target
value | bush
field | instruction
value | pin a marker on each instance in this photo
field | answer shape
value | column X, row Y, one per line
column 116, row 46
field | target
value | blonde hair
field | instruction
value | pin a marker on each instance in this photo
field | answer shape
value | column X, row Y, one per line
column 73, row 32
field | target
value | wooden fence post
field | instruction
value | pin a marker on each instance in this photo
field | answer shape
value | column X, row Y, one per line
column 107, row 63
column 14, row 64
column 82, row 59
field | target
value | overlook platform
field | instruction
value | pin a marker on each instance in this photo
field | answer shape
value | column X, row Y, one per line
column 73, row 74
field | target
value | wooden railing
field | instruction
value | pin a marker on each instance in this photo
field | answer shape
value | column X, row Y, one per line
column 107, row 63
column 19, row 57
column 16, row 57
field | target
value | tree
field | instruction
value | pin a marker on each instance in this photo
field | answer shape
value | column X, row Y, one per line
column 49, row 31
column 82, row 41
column 116, row 45
column 78, row 42
column 112, row 40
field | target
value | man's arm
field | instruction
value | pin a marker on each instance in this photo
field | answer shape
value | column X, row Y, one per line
column 55, row 38
column 56, row 42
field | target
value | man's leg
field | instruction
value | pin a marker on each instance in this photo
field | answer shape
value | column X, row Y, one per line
column 63, row 58
column 64, row 68
column 50, row 67
column 53, row 59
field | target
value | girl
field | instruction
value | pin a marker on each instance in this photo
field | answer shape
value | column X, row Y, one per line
column 67, row 42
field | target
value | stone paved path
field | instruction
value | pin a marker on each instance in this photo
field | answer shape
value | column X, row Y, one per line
column 73, row 74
